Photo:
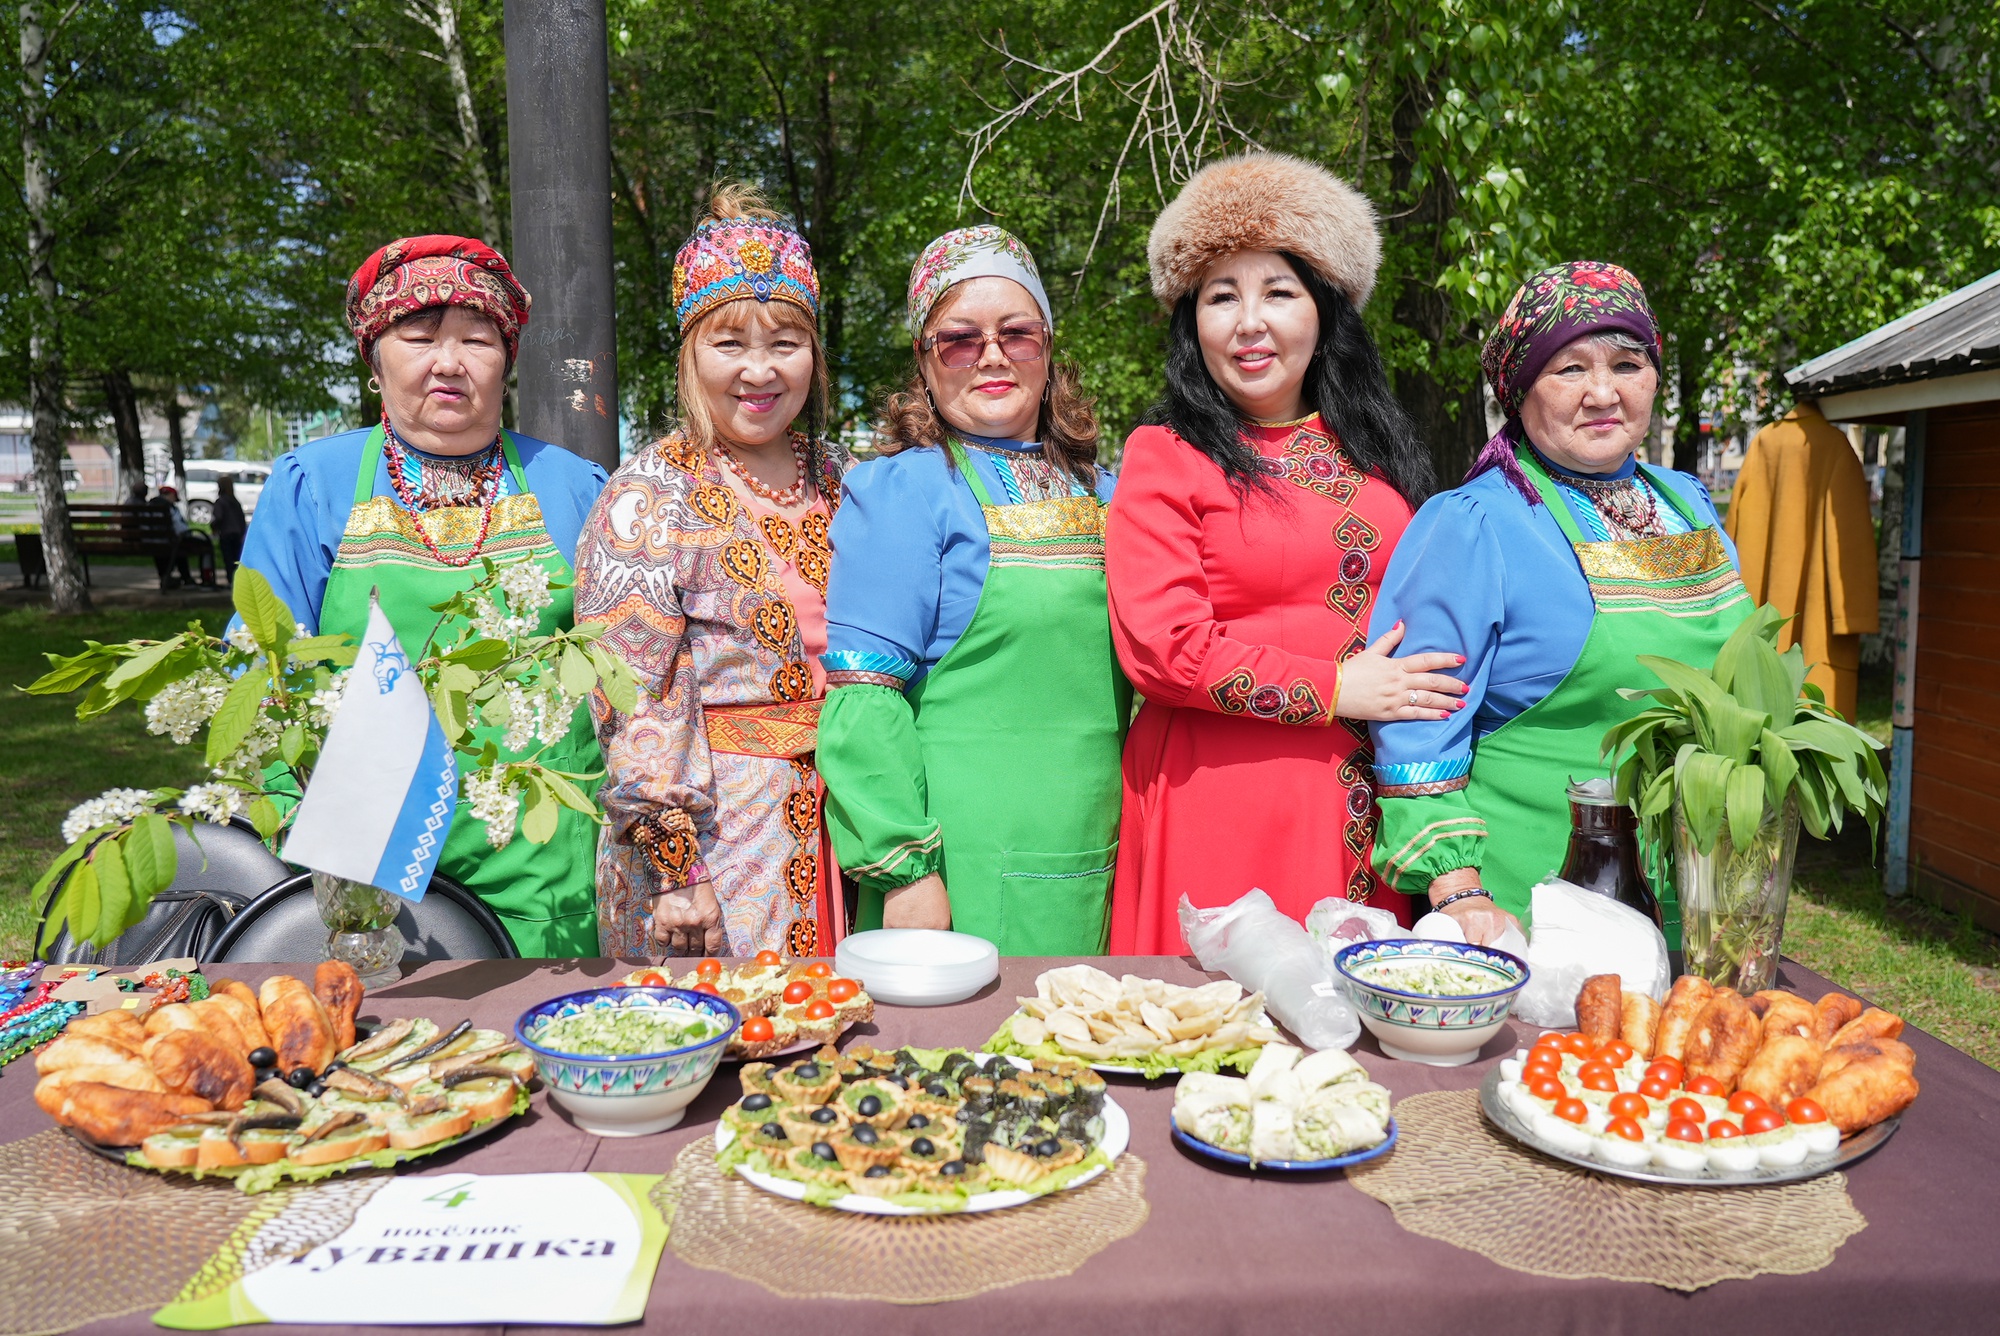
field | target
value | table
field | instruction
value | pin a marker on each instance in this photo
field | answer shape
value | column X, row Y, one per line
column 1224, row 1252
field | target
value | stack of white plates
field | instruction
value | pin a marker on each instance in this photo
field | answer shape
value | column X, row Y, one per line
column 918, row 967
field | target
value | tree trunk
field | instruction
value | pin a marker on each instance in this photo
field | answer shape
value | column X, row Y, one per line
column 176, row 446
column 441, row 17
column 67, row 591
column 124, row 405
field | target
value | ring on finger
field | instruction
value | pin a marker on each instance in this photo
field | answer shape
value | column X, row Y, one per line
column 1413, row 698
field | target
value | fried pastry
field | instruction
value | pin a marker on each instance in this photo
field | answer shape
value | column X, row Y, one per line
column 111, row 1116
column 173, row 1016
column 241, row 1004
column 297, row 1023
column 123, row 1028
column 1726, row 1035
column 1677, row 1018
column 1874, row 1023
column 195, row 1062
column 235, row 988
column 69, row 1050
column 1835, row 1010
column 1785, row 1067
column 126, row 1074
column 1640, row 1022
column 220, row 1021
column 339, row 990
column 1600, row 1009
column 1786, row 1013
column 1894, row 1050
column 1864, row 1092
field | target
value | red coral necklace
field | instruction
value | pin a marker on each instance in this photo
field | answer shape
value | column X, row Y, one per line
column 483, row 481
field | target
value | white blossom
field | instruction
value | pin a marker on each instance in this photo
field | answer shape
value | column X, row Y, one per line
column 325, row 703
column 494, row 803
column 181, row 708
column 521, row 718
column 214, row 803
column 241, row 639
column 554, row 708
column 113, row 807
column 526, row 585
column 491, row 622
column 256, row 748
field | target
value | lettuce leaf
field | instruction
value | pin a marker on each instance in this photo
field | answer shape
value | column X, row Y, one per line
column 1152, row 1065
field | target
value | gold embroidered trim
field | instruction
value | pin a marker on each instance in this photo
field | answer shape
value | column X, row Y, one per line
column 448, row 526
column 1455, row 828
column 1674, row 556
column 1032, row 521
column 897, row 856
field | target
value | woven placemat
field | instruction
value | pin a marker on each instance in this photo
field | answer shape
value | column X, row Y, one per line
column 718, row 1222
column 1455, row 1178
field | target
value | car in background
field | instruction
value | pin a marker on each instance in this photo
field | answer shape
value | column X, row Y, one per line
column 203, row 474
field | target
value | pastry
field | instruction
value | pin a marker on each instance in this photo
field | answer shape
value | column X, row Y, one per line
column 195, row 1062
column 1893, row 1049
column 1784, row 1068
column 1835, row 1010
column 1873, row 1023
column 1786, row 1013
column 339, row 990
column 1677, row 1018
column 297, row 1023
column 1600, row 1008
column 1865, row 1091
column 1726, row 1035
column 1640, row 1022
column 114, row 1117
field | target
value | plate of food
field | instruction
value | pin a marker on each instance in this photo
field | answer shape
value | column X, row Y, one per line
column 1296, row 1112
column 1711, row 1090
column 1137, row 1026
column 788, row 1006
column 276, row 1084
column 920, row 1131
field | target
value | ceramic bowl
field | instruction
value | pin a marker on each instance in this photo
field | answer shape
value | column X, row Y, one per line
column 918, row 967
column 632, row 1094
column 1444, row 1031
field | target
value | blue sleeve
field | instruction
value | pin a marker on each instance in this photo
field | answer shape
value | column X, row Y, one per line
column 291, row 542
column 1447, row 583
column 1107, row 483
column 883, row 596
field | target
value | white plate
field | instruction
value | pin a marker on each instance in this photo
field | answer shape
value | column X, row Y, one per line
column 1117, row 1135
column 918, row 967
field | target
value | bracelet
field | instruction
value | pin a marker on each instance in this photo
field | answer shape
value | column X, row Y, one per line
column 1456, row 896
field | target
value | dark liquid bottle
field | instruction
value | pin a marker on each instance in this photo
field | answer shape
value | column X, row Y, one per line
column 1604, row 848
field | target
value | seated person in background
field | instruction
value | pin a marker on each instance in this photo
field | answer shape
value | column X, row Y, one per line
column 186, row 539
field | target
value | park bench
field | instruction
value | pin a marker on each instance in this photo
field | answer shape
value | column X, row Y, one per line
column 110, row 531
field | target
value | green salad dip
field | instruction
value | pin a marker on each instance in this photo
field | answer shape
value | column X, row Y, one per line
column 1436, row 978
column 614, row 1032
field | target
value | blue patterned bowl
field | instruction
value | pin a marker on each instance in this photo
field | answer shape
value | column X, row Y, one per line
column 633, row 1094
column 1442, row 1030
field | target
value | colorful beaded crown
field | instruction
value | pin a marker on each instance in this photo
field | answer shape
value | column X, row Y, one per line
column 731, row 258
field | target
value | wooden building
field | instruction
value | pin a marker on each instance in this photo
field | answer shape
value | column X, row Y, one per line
column 1936, row 373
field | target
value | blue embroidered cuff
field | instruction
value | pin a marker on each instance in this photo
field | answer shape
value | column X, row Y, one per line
column 1421, row 779
column 851, row 667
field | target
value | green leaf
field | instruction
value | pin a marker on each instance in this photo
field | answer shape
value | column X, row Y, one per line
column 1701, row 781
column 450, row 708
column 579, row 676
column 1781, row 768
column 141, row 663
column 265, row 817
column 1745, row 803
column 1760, row 681
column 538, row 818
column 114, row 890
column 150, row 857
column 83, row 902
column 482, row 656
column 621, row 689
column 262, row 611
column 1732, row 729
column 336, row 649
column 238, row 715
column 47, row 883
column 292, row 744
column 457, row 677
column 67, row 673
column 568, row 794
column 1679, row 677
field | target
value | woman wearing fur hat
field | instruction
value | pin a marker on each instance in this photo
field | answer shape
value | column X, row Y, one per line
column 972, row 736
column 1559, row 560
column 1244, row 550
column 705, row 564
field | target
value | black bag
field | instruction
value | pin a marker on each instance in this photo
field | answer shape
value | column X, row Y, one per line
column 177, row 923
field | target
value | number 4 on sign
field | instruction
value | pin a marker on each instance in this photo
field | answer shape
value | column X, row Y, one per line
column 451, row 1197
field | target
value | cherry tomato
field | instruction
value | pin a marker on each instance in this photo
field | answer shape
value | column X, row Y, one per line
column 707, row 986
column 1703, row 1085
column 1745, row 1102
column 1625, row 1127
column 759, row 1030
column 769, row 958
column 1722, row 1129
column 711, row 968
column 797, row 991
column 1616, row 1052
column 842, row 990
column 1547, row 1088
column 1549, row 1039
column 650, row 979
column 1578, row 1044
column 1666, row 1069
column 1629, row 1106
column 1762, row 1120
column 1571, row 1110
column 1687, row 1111
column 819, row 1010
column 1596, row 1076
column 1655, row 1089
column 819, row 969
column 1805, row 1111
column 1543, row 1061
column 1684, row 1129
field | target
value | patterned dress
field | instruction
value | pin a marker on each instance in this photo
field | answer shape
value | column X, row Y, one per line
column 1232, row 612
column 712, row 778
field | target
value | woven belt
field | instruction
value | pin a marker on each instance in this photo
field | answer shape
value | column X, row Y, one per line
column 784, row 730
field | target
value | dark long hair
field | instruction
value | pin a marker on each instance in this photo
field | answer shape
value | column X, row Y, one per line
column 1344, row 383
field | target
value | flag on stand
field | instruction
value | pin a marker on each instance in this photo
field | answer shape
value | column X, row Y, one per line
column 382, row 796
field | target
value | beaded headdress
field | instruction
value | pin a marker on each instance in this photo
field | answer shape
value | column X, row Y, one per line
column 728, row 259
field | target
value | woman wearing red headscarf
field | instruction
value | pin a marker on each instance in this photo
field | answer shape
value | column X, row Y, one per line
column 408, row 508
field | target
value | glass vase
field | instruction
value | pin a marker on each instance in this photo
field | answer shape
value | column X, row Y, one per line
column 1733, row 900
column 360, row 927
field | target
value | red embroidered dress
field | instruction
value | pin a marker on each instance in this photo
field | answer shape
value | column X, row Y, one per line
column 1231, row 613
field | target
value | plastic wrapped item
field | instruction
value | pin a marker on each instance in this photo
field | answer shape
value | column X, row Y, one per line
column 1576, row 934
column 1335, row 923
column 1262, row 949
column 1436, row 927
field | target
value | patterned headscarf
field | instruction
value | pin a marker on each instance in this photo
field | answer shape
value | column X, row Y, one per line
column 411, row 274
column 985, row 251
column 1553, row 309
column 728, row 259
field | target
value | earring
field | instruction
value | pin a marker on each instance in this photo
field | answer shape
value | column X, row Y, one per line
column 374, row 385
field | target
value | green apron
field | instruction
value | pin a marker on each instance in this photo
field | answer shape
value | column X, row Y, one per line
column 544, row 893
column 1678, row 597
column 1021, row 726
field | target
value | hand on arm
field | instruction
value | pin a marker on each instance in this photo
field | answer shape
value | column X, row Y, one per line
column 1375, row 686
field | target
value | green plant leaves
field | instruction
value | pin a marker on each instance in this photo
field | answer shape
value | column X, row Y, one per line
column 232, row 723
column 263, row 612
column 150, row 856
column 1745, row 802
column 578, row 675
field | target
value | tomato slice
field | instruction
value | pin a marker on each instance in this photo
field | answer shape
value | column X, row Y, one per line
column 1571, row 1110
column 1653, row 1088
column 1804, row 1110
column 1578, row 1044
column 1762, row 1120
column 842, row 990
column 797, row 991
column 1597, row 1076
column 1722, row 1129
column 1684, row 1129
column 710, row 968
column 819, row 969
column 707, row 986
column 1629, row 1106
column 1616, row 1052
column 819, row 1010
column 1666, row 1069
column 1745, row 1102
column 1547, row 1088
column 1687, row 1111
column 769, row 958
column 1625, row 1127
column 1549, row 1039
column 651, row 979
column 759, row 1030
column 1703, row 1085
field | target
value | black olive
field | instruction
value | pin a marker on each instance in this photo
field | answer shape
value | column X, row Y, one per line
column 823, row 1114
column 824, row 1151
column 807, row 1071
column 1048, row 1148
column 869, row 1106
column 760, row 1100
column 316, row 1089
column 298, row 1078
column 362, row 1031
column 952, row 1169
column 922, row 1146
column 897, row 1081
column 263, row 1057
column 877, row 1171
column 263, row 1074
column 939, row 1089
column 918, row 1120
column 866, row 1135
column 773, row 1131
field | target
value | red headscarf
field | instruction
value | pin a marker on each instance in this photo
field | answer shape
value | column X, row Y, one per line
column 413, row 273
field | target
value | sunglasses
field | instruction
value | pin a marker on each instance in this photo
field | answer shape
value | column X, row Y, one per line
column 964, row 347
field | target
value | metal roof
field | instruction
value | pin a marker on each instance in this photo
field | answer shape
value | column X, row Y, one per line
column 1955, row 334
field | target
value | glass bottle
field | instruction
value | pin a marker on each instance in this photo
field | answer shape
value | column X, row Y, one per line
column 1604, row 848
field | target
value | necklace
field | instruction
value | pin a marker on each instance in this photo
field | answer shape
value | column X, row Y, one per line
column 1626, row 505
column 790, row 496
column 478, row 483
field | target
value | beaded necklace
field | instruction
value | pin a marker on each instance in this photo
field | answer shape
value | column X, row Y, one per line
column 478, row 485
column 790, row 496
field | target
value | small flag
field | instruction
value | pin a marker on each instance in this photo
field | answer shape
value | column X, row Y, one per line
column 382, row 796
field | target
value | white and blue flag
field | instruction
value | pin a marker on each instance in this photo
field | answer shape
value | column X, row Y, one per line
column 382, row 796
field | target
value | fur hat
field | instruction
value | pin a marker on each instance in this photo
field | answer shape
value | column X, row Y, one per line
column 1268, row 202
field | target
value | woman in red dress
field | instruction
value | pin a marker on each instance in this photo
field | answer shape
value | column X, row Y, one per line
column 1244, row 548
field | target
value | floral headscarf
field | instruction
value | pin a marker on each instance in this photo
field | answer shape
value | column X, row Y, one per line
column 1554, row 308
column 728, row 259
column 412, row 274
column 985, row 251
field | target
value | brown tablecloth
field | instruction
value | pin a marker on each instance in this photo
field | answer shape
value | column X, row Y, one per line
column 1227, row 1252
